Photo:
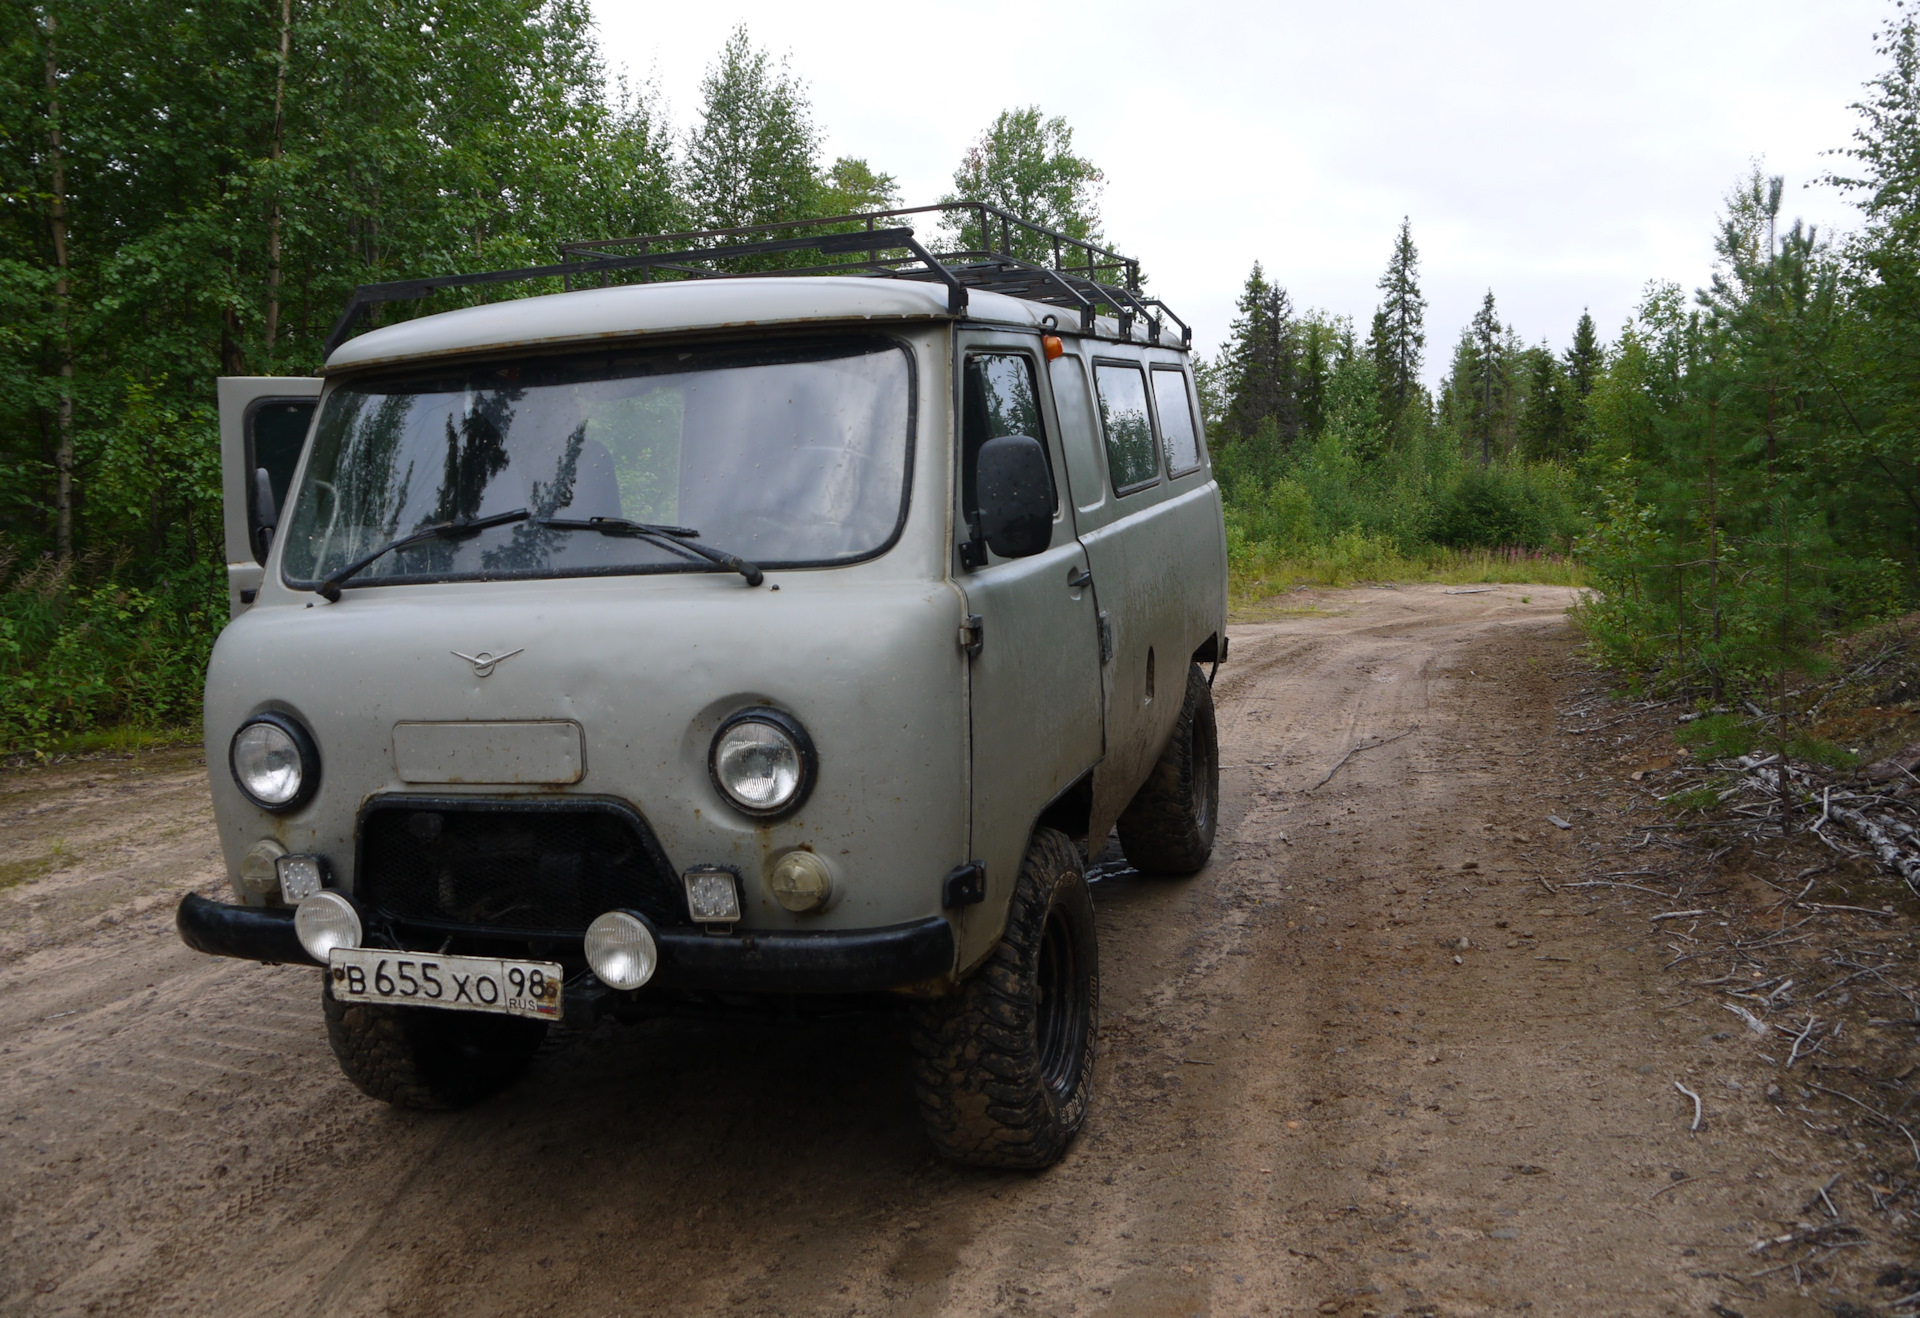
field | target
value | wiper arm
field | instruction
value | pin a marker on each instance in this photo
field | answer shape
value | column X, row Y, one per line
column 457, row 529
column 673, row 537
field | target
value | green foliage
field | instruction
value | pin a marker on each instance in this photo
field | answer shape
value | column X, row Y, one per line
column 754, row 156
column 1024, row 163
column 180, row 202
column 1718, row 736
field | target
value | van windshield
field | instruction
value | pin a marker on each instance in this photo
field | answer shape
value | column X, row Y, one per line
column 788, row 458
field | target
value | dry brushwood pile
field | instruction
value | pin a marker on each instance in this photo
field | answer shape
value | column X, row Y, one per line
column 1790, row 905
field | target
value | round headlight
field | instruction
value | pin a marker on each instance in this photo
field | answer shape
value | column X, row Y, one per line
column 621, row 950
column 274, row 761
column 763, row 761
column 324, row 921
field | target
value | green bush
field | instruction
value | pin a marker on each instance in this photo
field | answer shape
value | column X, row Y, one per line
column 88, row 648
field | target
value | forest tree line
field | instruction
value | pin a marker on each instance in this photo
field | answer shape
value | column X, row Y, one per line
column 194, row 191
column 1737, row 473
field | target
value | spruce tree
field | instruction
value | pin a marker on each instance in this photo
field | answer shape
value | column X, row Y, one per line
column 1262, row 361
column 1399, row 336
column 1584, row 358
column 1544, row 432
column 1487, row 350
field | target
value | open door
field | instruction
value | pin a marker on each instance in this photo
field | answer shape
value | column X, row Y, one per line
column 264, row 421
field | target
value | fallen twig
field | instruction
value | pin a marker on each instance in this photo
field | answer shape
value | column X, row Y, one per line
column 1696, row 1104
column 1364, row 746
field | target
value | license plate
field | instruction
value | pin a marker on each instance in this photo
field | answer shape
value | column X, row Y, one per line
column 458, row 983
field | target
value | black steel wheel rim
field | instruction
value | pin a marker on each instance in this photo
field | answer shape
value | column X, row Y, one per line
column 1059, row 1013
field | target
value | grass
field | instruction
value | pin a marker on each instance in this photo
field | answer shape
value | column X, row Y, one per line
column 1257, row 573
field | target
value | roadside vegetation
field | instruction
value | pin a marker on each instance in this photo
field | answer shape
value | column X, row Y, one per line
column 193, row 192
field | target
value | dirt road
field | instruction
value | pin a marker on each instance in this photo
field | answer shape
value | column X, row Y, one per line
column 1366, row 1063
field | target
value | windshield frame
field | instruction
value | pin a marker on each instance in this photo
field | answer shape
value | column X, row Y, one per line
column 761, row 348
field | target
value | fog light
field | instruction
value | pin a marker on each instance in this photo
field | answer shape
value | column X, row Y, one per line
column 325, row 921
column 801, row 881
column 713, row 895
column 300, row 877
column 257, row 877
column 621, row 950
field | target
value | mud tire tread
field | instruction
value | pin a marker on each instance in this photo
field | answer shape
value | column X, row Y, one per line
column 978, row 1076
column 1164, row 830
column 415, row 1057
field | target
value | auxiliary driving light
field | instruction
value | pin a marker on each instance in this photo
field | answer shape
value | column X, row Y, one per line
column 621, row 950
column 801, row 882
column 300, row 877
column 325, row 921
column 713, row 895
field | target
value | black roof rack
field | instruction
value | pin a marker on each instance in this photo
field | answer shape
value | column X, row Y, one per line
column 1082, row 277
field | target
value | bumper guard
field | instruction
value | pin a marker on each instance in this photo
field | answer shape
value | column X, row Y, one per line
column 826, row 961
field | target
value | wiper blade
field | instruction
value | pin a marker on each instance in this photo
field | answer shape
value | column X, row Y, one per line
column 457, row 529
column 672, row 537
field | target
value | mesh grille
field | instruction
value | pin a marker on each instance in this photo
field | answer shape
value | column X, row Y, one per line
column 493, row 865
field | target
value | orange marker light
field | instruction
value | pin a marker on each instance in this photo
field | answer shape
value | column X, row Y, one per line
column 1051, row 343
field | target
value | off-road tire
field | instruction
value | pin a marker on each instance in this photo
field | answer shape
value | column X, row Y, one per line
column 1003, row 1068
column 421, row 1057
column 1169, row 825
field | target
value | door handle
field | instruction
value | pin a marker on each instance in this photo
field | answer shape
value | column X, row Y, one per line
column 1078, row 577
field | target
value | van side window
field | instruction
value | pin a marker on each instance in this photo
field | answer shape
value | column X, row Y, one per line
column 999, row 400
column 1079, row 433
column 1129, row 430
column 1177, row 435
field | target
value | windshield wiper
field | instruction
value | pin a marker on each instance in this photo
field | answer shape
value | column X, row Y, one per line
column 457, row 529
column 678, row 538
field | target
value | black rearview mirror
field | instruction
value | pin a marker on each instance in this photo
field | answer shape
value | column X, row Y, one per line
column 1016, row 496
column 266, row 515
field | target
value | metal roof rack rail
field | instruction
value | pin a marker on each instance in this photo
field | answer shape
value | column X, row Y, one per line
column 1082, row 277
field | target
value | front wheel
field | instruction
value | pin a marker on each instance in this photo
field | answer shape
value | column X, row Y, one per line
column 1003, row 1068
column 423, row 1057
column 1169, row 825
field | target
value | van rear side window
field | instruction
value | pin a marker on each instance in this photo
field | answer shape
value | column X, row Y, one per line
column 1129, row 430
column 1177, row 433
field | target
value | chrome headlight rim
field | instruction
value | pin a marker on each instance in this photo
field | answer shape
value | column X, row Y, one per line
column 304, row 747
column 788, row 726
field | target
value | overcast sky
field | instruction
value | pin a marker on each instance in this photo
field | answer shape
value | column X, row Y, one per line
column 1562, row 155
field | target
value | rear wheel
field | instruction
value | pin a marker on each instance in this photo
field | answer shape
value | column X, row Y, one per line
column 422, row 1057
column 1003, row 1067
column 1168, row 827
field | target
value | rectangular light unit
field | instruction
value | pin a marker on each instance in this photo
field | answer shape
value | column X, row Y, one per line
column 713, row 895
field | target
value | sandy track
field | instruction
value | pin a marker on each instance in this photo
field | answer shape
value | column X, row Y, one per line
column 1310, row 1095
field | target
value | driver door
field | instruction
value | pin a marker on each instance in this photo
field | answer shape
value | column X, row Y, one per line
column 264, row 422
column 1035, row 680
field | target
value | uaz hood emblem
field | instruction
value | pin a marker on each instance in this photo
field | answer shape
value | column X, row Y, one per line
column 483, row 663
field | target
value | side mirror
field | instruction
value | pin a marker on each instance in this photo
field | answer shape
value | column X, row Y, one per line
column 1016, row 496
column 265, row 514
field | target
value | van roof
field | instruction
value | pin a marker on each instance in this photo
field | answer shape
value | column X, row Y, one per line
column 687, row 306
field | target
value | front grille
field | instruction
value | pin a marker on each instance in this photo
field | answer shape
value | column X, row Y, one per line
column 534, row 867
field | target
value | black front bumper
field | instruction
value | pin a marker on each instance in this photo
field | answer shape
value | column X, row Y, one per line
column 827, row 961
